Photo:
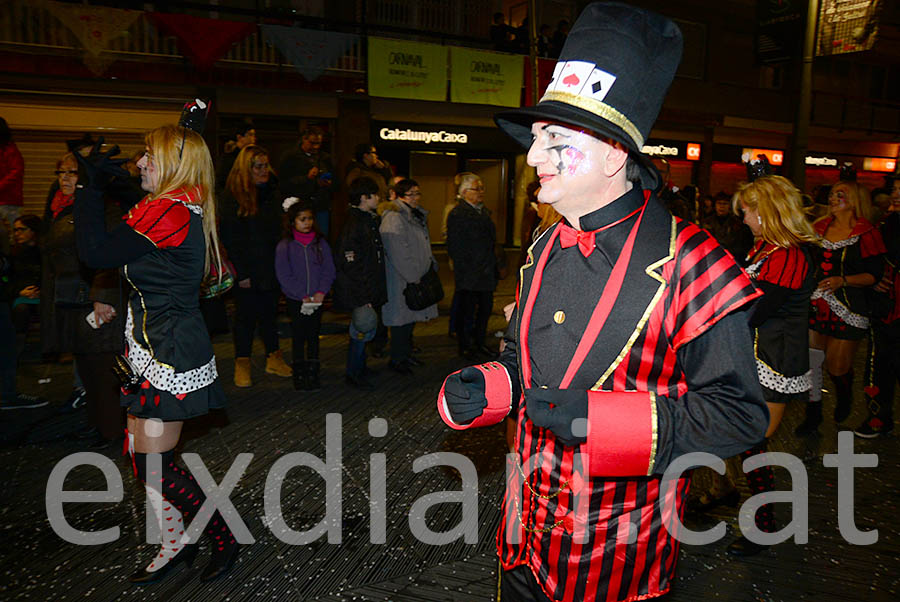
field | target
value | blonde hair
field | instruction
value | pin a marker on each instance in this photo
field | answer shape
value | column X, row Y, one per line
column 182, row 162
column 782, row 218
column 859, row 197
column 463, row 181
column 240, row 179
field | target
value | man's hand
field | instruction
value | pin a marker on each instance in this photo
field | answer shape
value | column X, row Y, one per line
column 555, row 409
column 245, row 283
column 464, row 393
column 312, row 173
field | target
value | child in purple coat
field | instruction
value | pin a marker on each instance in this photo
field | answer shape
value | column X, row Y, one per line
column 305, row 270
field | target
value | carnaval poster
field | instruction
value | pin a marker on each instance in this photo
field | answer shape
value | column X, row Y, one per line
column 847, row 26
column 489, row 78
column 400, row 69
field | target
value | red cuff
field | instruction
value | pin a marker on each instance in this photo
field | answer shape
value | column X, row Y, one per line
column 497, row 390
column 622, row 433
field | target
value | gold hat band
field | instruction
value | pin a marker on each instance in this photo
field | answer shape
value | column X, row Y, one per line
column 601, row 109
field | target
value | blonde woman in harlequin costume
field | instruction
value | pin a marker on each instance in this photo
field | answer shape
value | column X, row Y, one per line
column 849, row 261
column 780, row 265
column 164, row 248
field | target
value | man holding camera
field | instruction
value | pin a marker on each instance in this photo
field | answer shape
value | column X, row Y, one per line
column 307, row 173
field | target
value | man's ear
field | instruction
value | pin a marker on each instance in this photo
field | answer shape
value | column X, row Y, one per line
column 616, row 158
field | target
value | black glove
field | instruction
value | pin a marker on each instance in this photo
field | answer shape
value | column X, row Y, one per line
column 567, row 405
column 100, row 168
column 464, row 392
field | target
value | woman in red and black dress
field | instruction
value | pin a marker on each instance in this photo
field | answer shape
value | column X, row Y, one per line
column 780, row 265
column 849, row 261
column 163, row 246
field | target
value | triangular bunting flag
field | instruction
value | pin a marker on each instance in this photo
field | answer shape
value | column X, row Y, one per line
column 311, row 51
column 203, row 41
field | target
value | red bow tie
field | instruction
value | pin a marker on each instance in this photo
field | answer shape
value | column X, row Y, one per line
column 569, row 237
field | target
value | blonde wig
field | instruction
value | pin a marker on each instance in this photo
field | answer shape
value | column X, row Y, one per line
column 240, row 179
column 783, row 220
column 182, row 162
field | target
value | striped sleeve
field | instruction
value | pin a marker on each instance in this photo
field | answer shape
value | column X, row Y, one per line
column 708, row 284
column 785, row 267
column 163, row 222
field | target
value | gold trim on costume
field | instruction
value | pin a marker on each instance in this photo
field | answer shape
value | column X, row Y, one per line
column 650, row 270
column 654, row 434
column 601, row 109
column 143, row 307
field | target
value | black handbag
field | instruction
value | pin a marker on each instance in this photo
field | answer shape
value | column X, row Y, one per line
column 424, row 293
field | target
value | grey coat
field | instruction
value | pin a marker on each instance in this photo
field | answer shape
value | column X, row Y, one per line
column 407, row 248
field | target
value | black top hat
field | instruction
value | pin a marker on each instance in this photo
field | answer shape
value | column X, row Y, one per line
column 611, row 78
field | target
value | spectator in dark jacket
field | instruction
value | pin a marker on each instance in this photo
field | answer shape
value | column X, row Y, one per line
column 305, row 270
column 728, row 229
column 71, row 292
column 471, row 237
column 250, row 229
column 501, row 34
column 24, row 287
column 367, row 163
column 308, row 174
column 360, row 286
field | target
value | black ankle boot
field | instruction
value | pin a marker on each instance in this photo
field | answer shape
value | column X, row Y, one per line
column 224, row 549
column 300, row 380
column 843, row 391
column 187, row 554
column 812, row 421
column 312, row 371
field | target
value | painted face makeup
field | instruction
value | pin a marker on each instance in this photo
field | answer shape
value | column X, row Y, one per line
column 838, row 199
column 570, row 164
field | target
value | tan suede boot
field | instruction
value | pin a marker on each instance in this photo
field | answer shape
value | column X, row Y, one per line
column 276, row 365
column 242, row 372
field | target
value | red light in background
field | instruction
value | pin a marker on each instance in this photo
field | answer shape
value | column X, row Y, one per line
column 693, row 151
column 775, row 157
column 879, row 164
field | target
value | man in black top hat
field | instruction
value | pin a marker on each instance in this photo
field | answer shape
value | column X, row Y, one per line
column 629, row 346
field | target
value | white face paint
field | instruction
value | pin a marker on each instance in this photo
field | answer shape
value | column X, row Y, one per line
column 573, row 168
column 838, row 201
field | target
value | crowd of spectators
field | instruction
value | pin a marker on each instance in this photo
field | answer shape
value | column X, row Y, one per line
column 274, row 227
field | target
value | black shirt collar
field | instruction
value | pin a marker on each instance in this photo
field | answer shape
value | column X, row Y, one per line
column 618, row 209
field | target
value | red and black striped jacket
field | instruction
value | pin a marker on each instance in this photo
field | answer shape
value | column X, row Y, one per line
column 657, row 389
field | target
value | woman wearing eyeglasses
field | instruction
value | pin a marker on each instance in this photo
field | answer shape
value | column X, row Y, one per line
column 71, row 294
column 251, row 230
column 407, row 250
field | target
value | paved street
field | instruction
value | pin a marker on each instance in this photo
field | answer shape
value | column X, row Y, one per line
column 270, row 420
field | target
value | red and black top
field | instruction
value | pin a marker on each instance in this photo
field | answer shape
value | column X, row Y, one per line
column 844, row 313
